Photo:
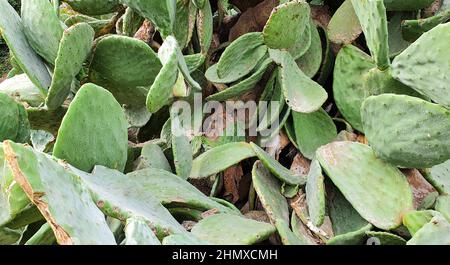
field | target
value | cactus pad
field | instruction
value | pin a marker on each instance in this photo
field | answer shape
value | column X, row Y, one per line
column 315, row 194
column 93, row 134
column 230, row 229
column 313, row 130
column 436, row 232
column 42, row 28
column 137, row 232
column 123, row 73
column 13, row 33
column 75, row 46
column 278, row 170
column 93, row 7
column 424, row 69
column 418, row 138
column 220, row 158
column 305, row 98
column 286, row 24
column 22, row 90
column 241, row 57
column 76, row 221
column 357, row 172
column 161, row 13
column 373, row 19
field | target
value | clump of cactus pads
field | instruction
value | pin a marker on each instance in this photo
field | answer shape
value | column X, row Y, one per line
column 209, row 122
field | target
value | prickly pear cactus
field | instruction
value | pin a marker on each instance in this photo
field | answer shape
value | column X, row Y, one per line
column 75, row 46
column 80, row 140
column 424, row 69
column 197, row 122
column 357, row 172
column 372, row 16
column 407, row 144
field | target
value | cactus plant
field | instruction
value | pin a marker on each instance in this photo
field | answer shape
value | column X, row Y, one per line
column 75, row 43
column 96, row 148
column 93, row 93
column 372, row 16
column 13, row 33
column 428, row 76
column 240, row 231
column 381, row 205
column 286, row 24
column 424, row 146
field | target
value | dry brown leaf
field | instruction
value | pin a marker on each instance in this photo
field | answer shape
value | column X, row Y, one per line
column 419, row 186
column 231, row 179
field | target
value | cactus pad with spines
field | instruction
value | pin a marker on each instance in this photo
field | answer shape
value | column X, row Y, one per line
column 286, row 24
column 407, row 131
column 358, row 174
column 230, row 229
column 94, row 7
column 74, row 222
column 93, row 134
column 424, row 69
column 42, row 28
column 14, row 34
column 75, row 46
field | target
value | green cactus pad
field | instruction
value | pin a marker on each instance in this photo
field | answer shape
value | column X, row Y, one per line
column 406, row 5
column 205, row 26
column 244, row 86
column 185, row 17
column 93, row 7
column 13, row 33
column 443, row 206
column 348, row 85
column 160, row 93
column 181, row 147
column 357, row 172
column 152, row 156
column 439, row 177
column 97, row 24
column 420, row 135
column 268, row 189
column 412, row 29
column 424, row 69
column 385, row 238
column 312, row 130
column 23, row 132
column 306, row 98
column 220, row 158
column 183, row 239
column 278, row 170
column 241, row 57
column 124, row 73
column 42, row 28
column 44, row 236
column 302, row 44
column 93, row 134
column 171, row 190
column 120, row 197
column 415, row 220
column 350, row 238
column 311, row 60
column 315, row 194
column 436, row 232
column 344, row 26
column 75, row 46
column 9, row 123
column 286, row 24
column 137, row 232
column 9, row 236
column 161, row 13
column 22, row 90
column 373, row 19
column 76, row 221
column 230, row 229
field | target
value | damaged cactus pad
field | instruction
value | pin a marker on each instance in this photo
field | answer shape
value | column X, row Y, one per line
column 224, row 122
